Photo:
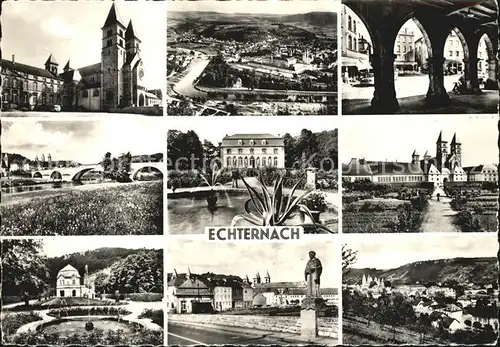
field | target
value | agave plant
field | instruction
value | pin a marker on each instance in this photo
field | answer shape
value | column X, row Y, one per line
column 270, row 208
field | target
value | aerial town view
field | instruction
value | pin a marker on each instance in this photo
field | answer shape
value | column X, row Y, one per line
column 434, row 175
column 234, row 58
column 99, row 290
column 220, row 170
column 397, row 289
column 82, row 58
column 253, row 293
column 81, row 177
column 419, row 57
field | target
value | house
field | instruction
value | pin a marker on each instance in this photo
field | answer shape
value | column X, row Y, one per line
column 69, row 284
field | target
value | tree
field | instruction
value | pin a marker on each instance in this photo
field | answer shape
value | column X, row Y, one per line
column 23, row 270
column 349, row 257
column 107, row 164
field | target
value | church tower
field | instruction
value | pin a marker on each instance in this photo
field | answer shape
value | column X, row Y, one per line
column 256, row 279
column 441, row 152
column 113, row 56
column 415, row 158
column 133, row 71
column 51, row 65
column 456, row 149
column 267, row 279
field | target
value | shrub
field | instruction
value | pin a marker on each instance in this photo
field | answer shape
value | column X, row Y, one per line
column 156, row 316
column 316, row 201
column 145, row 296
column 468, row 222
column 94, row 311
column 12, row 322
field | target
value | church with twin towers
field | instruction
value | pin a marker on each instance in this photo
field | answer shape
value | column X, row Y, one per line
column 115, row 82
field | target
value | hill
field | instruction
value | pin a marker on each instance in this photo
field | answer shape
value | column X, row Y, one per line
column 464, row 270
column 320, row 19
column 15, row 158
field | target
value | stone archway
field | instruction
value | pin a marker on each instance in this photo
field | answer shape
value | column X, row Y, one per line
column 37, row 175
column 56, row 175
column 141, row 100
column 492, row 79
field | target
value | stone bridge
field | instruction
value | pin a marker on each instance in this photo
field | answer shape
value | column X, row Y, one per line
column 68, row 174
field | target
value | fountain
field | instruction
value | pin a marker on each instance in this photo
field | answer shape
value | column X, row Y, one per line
column 88, row 325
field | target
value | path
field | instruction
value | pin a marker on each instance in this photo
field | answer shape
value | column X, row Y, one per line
column 135, row 308
column 439, row 215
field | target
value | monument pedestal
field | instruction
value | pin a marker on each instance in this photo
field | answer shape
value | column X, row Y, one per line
column 312, row 308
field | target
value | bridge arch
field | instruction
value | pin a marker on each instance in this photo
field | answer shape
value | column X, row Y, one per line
column 56, row 175
column 37, row 174
column 78, row 175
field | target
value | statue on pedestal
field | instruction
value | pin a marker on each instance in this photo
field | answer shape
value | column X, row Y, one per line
column 312, row 276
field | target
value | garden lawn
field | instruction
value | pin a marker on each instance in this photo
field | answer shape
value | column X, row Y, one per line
column 135, row 209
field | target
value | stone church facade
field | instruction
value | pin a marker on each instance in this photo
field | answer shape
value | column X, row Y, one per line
column 69, row 284
column 114, row 82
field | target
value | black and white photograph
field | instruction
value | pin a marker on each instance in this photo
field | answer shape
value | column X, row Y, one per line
column 397, row 289
column 82, row 58
column 420, row 175
column 407, row 57
column 82, row 177
column 237, row 58
column 82, row 291
column 223, row 171
column 261, row 293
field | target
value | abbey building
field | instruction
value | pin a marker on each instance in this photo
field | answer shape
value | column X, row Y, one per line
column 445, row 166
column 114, row 82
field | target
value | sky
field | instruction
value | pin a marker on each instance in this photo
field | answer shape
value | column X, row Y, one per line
column 256, row 6
column 389, row 251
column 83, row 141
column 215, row 128
column 72, row 30
column 396, row 137
column 62, row 245
column 285, row 262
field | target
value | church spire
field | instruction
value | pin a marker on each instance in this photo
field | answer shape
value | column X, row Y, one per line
column 113, row 17
column 129, row 33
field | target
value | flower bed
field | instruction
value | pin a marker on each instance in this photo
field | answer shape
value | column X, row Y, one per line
column 94, row 311
column 156, row 316
column 13, row 321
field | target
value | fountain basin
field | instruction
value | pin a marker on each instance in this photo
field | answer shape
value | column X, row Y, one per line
column 66, row 327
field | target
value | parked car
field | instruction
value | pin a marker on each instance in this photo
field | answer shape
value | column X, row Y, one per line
column 367, row 79
column 56, row 108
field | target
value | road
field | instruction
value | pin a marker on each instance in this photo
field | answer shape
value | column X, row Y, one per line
column 179, row 334
column 405, row 86
column 186, row 85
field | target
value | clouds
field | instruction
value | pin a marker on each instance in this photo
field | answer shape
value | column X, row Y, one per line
column 284, row 261
column 83, row 141
column 59, row 27
column 388, row 251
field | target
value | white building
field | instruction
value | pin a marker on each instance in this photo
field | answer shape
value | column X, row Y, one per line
column 69, row 284
column 252, row 151
column 223, row 298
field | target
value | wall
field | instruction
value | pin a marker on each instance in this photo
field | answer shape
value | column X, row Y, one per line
column 152, row 111
column 327, row 327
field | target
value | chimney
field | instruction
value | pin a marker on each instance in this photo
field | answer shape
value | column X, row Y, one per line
column 13, row 58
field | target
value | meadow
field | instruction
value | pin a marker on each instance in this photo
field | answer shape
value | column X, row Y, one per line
column 125, row 209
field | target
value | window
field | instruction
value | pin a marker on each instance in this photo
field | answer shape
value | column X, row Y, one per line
column 109, row 32
column 450, row 53
column 5, row 82
column 404, row 49
column 127, row 45
column 252, row 142
column 251, row 150
column 349, row 23
column 275, row 161
column 457, row 53
column 95, row 92
column 240, row 161
column 73, row 282
column 264, row 150
column 35, row 86
column 275, row 151
column 264, row 142
column 264, row 161
column 85, row 93
column 228, row 151
column 349, row 42
column 228, row 162
column 354, row 26
column 399, row 49
column 234, row 162
column 120, row 32
column 121, row 43
column 109, row 43
column 14, row 83
column 240, row 150
column 240, row 142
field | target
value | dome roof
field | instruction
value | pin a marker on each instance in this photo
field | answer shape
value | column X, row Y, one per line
column 259, row 300
column 68, row 270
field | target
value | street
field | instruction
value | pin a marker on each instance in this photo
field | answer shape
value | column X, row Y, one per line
column 405, row 86
column 180, row 334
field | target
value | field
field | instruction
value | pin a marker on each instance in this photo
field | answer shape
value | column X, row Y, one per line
column 118, row 210
column 476, row 213
column 371, row 215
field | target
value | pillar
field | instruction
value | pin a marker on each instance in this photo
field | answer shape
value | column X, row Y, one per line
column 492, row 81
column 384, row 97
column 436, row 95
column 470, row 74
